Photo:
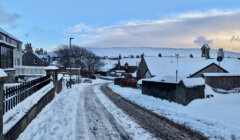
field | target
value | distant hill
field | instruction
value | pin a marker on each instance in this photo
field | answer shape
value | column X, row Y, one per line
column 148, row 51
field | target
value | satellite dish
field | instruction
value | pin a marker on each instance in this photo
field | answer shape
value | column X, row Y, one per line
column 219, row 59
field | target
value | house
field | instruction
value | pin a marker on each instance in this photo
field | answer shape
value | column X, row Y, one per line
column 10, row 49
column 185, row 66
column 31, row 58
column 129, row 65
column 211, row 68
column 43, row 55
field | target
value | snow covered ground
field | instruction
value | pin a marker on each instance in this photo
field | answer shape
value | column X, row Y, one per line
column 216, row 117
column 137, row 133
column 59, row 120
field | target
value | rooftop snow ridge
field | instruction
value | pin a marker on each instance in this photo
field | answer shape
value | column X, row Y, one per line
column 193, row 82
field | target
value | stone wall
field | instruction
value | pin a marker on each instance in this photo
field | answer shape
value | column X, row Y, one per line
column 11, row 76
column 185, row 95
column 223, row 82
column 118, row 81
column 19, row 127
column 59, row 85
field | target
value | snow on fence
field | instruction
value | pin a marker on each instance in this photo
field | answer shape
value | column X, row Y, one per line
column 15, row 95
column 30, row 70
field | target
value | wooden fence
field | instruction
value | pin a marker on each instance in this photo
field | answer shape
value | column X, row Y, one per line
column 15, row 95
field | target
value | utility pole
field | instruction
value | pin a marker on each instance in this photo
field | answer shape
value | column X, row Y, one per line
column 177, row 55
column 70, row 46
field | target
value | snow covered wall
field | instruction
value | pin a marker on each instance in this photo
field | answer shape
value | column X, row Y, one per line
column 29, row 109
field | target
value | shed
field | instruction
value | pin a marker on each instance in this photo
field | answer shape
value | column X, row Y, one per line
column 190, row 89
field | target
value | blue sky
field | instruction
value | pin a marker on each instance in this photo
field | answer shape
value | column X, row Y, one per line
column 125, row 23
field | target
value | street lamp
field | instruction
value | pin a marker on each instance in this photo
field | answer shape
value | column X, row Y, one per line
column 70, row 46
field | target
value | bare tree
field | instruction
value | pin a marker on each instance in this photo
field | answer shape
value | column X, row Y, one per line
column 78, row 58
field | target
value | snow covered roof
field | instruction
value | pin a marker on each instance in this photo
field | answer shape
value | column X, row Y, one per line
column 193, row 82
column 130, row 61
column 165, row 78
column 8, row 34
column 2, row 73
column 186, row 65
column 120, row 71
column 221, row 74
column 39, row 56
column 108, row 64
column 51, row 68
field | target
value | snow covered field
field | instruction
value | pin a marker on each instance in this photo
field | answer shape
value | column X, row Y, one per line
column 148, row 51
column 216, row 117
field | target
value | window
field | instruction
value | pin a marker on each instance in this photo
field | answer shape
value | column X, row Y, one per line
column 18, row 61
column 6, row 57
column 1, row 37
column 35, row 61
column 18, row 46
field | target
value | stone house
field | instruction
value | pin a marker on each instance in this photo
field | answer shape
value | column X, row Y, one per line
column 31, row 58
column 212, row 68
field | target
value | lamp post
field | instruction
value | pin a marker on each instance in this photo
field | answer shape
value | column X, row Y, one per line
column 70, row 46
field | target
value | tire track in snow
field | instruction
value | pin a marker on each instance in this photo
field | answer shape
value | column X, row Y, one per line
column 93, row 121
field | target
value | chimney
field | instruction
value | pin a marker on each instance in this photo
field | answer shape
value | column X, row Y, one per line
column 41, row 51
column 28, row 47
column 37, row 51
column 45, row 52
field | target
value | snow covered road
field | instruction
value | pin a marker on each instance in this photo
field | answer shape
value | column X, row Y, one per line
column 83, row 112
column 93, row 121
column 99, row 119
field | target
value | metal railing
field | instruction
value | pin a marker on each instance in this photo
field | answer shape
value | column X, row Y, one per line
column 15, row 95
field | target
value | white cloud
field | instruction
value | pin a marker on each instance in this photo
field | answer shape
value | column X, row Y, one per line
column 186, row 30
column 202, row 40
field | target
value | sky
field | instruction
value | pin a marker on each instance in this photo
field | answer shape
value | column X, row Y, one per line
column 126, row 23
